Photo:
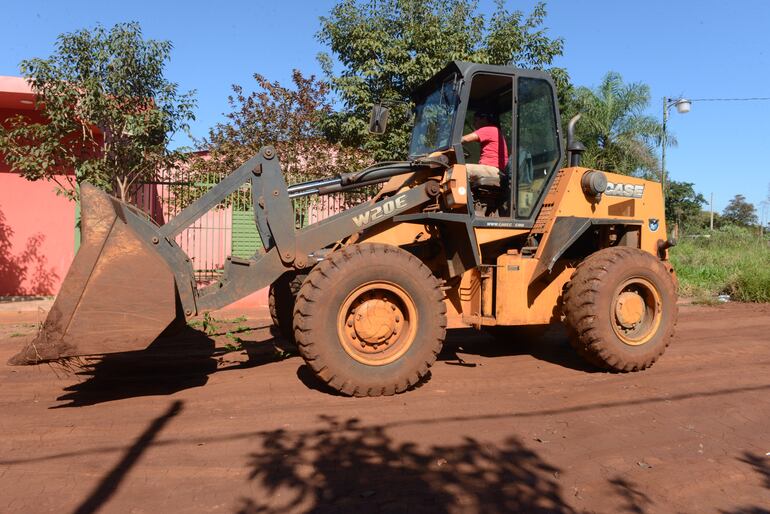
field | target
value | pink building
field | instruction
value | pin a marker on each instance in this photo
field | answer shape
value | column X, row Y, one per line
column 37, row 227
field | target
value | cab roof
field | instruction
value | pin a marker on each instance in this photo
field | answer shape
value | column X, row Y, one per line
column 467, row 69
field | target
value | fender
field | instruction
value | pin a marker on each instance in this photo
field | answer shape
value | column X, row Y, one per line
column 565, row 232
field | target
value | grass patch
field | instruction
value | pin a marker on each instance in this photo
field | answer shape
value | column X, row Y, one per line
column 732, row 261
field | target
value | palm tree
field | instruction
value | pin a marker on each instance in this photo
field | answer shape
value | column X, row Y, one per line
column 618, row 136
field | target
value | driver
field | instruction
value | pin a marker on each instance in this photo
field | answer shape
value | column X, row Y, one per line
column 494, row 151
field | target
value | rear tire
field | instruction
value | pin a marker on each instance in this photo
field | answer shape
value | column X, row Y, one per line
column 281, row 297
column 620, row 309
column 370, row 320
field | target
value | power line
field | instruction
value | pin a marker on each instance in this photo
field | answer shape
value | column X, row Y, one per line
column 756, row 98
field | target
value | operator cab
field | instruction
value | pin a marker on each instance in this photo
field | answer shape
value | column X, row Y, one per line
column 520, row 105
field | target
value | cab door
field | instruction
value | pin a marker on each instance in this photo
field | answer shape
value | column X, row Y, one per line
column 537, row 144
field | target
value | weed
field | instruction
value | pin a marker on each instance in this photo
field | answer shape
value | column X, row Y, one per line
column 281, row 354
column 235, row 345
column 732, row 261
column 208, row 324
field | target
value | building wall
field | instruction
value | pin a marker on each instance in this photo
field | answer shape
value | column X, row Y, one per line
column 37, row 236
column 37, row 227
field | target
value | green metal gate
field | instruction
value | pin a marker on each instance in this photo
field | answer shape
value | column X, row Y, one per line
column 245, row 239
column 230, row 227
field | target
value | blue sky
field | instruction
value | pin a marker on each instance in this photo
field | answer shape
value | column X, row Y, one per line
column 699, row 49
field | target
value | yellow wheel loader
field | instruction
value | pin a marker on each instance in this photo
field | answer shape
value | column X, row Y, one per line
column 368, row 293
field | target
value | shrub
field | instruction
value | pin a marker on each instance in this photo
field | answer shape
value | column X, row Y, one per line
column 733, row 260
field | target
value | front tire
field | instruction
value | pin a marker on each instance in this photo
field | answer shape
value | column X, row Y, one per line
column 620, row 309
column 370, row 320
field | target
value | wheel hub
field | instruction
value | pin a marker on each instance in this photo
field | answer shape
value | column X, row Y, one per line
column 629, row 309
column 375, row 321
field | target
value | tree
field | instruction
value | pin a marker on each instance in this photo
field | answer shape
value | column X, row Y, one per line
column 288, row 119
column 740, row 212
column 383, row 49
column 683, row 204
column 108, row 112
column 618, row 136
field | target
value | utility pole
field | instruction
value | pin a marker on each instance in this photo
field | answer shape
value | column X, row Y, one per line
column 712, row 212
column 682, row 107
column 663, row 147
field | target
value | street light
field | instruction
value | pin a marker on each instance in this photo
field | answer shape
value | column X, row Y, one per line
column 682, row 107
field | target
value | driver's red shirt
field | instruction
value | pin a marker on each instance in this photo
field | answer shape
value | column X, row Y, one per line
column 494, row 151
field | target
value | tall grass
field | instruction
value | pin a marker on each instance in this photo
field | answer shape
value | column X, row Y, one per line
column 732, row 261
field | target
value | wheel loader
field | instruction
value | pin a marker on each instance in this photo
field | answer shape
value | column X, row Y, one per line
column 368, row 293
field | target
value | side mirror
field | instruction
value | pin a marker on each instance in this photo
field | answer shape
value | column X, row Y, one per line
column 378, row 121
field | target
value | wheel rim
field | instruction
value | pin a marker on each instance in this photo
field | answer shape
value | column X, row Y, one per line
column 636, row 311
column 377, row 323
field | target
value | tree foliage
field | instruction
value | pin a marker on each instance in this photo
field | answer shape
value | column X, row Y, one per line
column 108, row 112
column 382, row 49
column 618, row 136
column 740, row 212
column 683, row 204
column 287, row 118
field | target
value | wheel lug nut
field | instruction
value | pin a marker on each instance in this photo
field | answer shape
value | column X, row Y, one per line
column 350, row 322
column 398, row 319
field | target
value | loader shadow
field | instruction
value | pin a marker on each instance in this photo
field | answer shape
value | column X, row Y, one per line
column 167, row 366
column 311, row 381
column 345, row 466
column 547, row 344
column 186, row 360
column 306, row 375
column 544, row 343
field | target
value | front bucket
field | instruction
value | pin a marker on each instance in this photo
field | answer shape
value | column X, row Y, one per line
column 119, row 293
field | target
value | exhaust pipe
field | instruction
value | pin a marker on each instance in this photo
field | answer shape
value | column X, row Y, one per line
column 575, row 148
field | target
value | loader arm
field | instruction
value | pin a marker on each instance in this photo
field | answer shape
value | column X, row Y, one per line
column 244, row 276
column 103, row 308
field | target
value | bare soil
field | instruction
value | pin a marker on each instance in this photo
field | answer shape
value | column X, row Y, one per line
column 501, row 426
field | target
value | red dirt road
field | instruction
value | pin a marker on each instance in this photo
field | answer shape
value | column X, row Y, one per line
column 522, row 426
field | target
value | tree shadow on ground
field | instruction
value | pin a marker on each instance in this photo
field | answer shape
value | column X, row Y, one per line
column 168, row 365
column 109, row 484
column 348, row 467
column 761, row 465
column 547, row 343
column 636, row 501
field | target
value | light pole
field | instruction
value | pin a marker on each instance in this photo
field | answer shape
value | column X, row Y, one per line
column 682, row 107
